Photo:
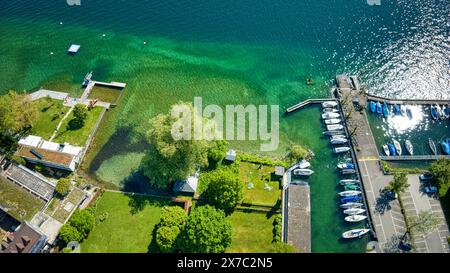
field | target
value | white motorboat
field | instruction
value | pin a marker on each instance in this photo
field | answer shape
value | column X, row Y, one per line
column 337, row 136
column 348, row 171
column 339, row 150
column 332, row 121
column 332, row 110
column 303, row 172
column 386, row 150
column 329, row 115
column 304, row 164
column 403, row 110
column 355, row 218
column 349, row 193
column 355, row 233
column 409, row 147
column 333, row 133
column 440, row 111
column 398, row 147
column 346, row 166
column 354, row 211
column 336, row 141
column 329, row 104
column 349, row 181
column 335, row 127
column 351, row 205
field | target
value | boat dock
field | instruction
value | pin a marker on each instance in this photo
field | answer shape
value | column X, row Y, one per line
column 405, row 101
column 305, row 103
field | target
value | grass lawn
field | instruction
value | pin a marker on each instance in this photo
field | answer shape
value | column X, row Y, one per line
column 78, row 136
column 249, row 172
column 128, row 225
column 51, row 113
column 105, row 94
column 252, row 232
column 18, row 202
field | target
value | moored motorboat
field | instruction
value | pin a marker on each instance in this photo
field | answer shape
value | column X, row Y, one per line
column 409, row 112
column 409, row 147
column 330, row 115
column 403, row 110
column 434, row 113
column 337, row 137
column 352, row 187
column 386, row 150
column 440, row 112
column 432, row 146
column 303, row 172
column 447, row 111
column 346, row 166
column 348, row 171
column 354, row 211
column 336, row 141
column 391, row 149
column 329, row 104
column 398, row 147
column 386, row 111
column 355, row 233
column 372, row 106
column 351, row 199
column 397, row 109
column 379, row 108
column 304, row 164
column 445, row 144
column 355, row 218
column 349, row 181
column 339, row 150
column 349, row 193
column 333, row 133
column 330, row 110
column 335, row 127
column 332, row 121
column 351, row 205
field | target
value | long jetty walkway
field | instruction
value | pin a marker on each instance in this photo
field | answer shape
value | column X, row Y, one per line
column 406, row 101
column 305, row 103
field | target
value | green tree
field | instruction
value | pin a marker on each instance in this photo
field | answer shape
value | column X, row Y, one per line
column 69, row 233
column 280, row 247
column 399, row 184
column 218, row 151
column 166, row 237
column 63, row 186
column 224, row 190
column 83, row 221
column 206, row 231
column 440, row 169
column 80, row 113
column 170, row 159
column 17, row 113
column 173, row 216
column 297, row 152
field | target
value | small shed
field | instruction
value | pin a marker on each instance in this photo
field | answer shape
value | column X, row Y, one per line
column 187, row 186
column 279, row 171
column 231, row 156
column 73, row 49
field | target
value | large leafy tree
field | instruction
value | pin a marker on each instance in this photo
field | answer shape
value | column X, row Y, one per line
column 173, row 216
column 218, row 151
column 441, row 172
column 168, row 158
column 83, row 221
column 69, row 234
column 172, row 221
column 80, row 113
column 206, row 231
column 224, row 190
column 63, row 186
column 297, row 152
column 17, row 113
column 399, row 184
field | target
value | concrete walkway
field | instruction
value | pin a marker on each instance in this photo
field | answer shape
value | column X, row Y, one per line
column 60, row 123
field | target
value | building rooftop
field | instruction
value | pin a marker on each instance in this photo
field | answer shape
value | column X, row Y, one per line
column 25, row 239
column 187, row 186
column 32, row 141
column 32, row 181
column 47, row 155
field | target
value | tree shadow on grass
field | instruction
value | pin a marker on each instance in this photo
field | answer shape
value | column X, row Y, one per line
column 74, row 124
column 153, row 247
column 274, row 210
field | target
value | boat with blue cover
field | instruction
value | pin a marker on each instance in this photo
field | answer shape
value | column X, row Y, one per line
column 446, row 146
column 397, row 109
column 346, row 166
column 352, row 199
column 372, row 106
column 379, row 108
column 392, row 149
column 409, row 112
column 434, row 113
column 386, row 111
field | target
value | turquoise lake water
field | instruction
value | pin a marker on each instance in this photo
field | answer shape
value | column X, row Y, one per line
column 228, row 52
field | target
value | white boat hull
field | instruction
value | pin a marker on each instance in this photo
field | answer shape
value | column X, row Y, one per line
column 355, row 218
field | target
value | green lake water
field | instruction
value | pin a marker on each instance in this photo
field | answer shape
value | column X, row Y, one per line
column 227, row 52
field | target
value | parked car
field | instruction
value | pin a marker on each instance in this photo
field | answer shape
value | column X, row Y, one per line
column 426, row 177
column 405, row 246
column 391, row 194
column 431, row 189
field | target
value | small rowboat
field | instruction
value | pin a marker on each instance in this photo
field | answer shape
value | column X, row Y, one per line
column 355, row 218
column 355, row 233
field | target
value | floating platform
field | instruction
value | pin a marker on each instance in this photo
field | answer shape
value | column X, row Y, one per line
column 73, row 49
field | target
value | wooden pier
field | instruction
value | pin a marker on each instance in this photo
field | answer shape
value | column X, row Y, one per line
column 111, row 84
column 406, row 101
column 414, row 157
column 306, row 102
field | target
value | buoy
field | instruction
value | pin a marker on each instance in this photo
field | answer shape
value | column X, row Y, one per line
column 145, row 42
column 60, row 23
column 104, row 34
column 51, row 53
